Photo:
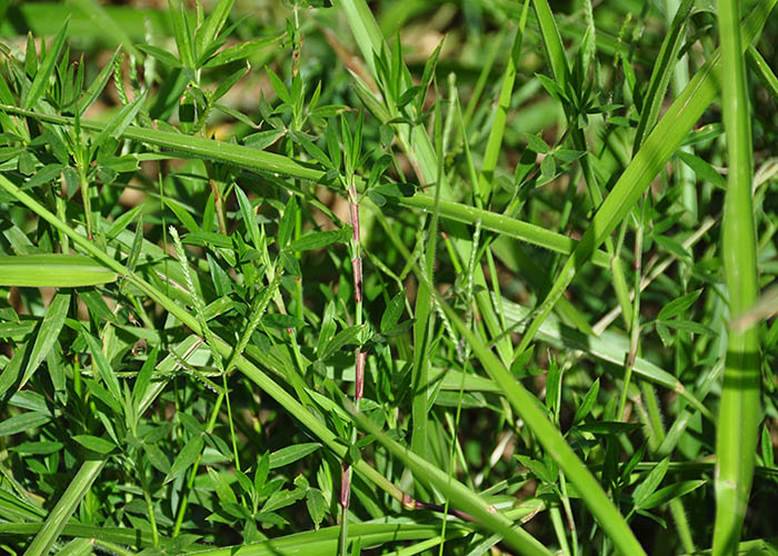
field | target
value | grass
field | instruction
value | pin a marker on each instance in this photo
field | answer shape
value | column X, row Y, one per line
column 401, row 278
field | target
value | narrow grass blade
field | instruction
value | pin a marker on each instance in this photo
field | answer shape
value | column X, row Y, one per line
column 740, row 409
column 662, row 72
column 501, row 224
column 65, row 507
column 52, row 270
column 763, row 70
column 240, row 155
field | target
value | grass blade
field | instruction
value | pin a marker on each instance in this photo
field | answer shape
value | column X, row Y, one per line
column 52, row 270
column 553, row 442
column 460, row 496
column 740, row 409
column 65, row 507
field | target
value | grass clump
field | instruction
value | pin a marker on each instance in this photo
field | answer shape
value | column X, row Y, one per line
column 402, row 278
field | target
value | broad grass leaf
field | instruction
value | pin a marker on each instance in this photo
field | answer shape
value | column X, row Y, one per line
column 53, row 270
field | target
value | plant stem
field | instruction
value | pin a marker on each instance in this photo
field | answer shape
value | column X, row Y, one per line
column 359, row 355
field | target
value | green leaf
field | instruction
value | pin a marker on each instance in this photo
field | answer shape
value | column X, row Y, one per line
column 279, row 87
column 286, row 226
column 668, row 493
column 317, row 240
column 649, row 485
column 94, row 443
column 290, row 454
column 163, row 56
column 392, row 313
column 703, row 169
column 186, row 458
column 46, row 70
column 345, row 337
column 222, row 487
column 241, row 51
column 49, row 331
column 317, row 506
column 102, row 367
column 282, row 499
column 23, row 422
column 212, row 25
column 588, row 402
column 678, row 306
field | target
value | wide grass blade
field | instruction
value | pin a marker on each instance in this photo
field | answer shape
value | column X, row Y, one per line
column 65, row 507
column 52, row 270
column 739, row 412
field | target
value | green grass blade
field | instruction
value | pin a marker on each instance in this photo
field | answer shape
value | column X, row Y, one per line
column 51, row 325
column 763, row 70
column 494, row 143
column 553, row 442
column 65, row 507
column 663, row 71
column 740, row 409
column 240, row 155
column 666, row 137
column 52, row 270
column 501, row 224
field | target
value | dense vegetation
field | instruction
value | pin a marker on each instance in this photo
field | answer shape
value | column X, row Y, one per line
column 413, row 277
